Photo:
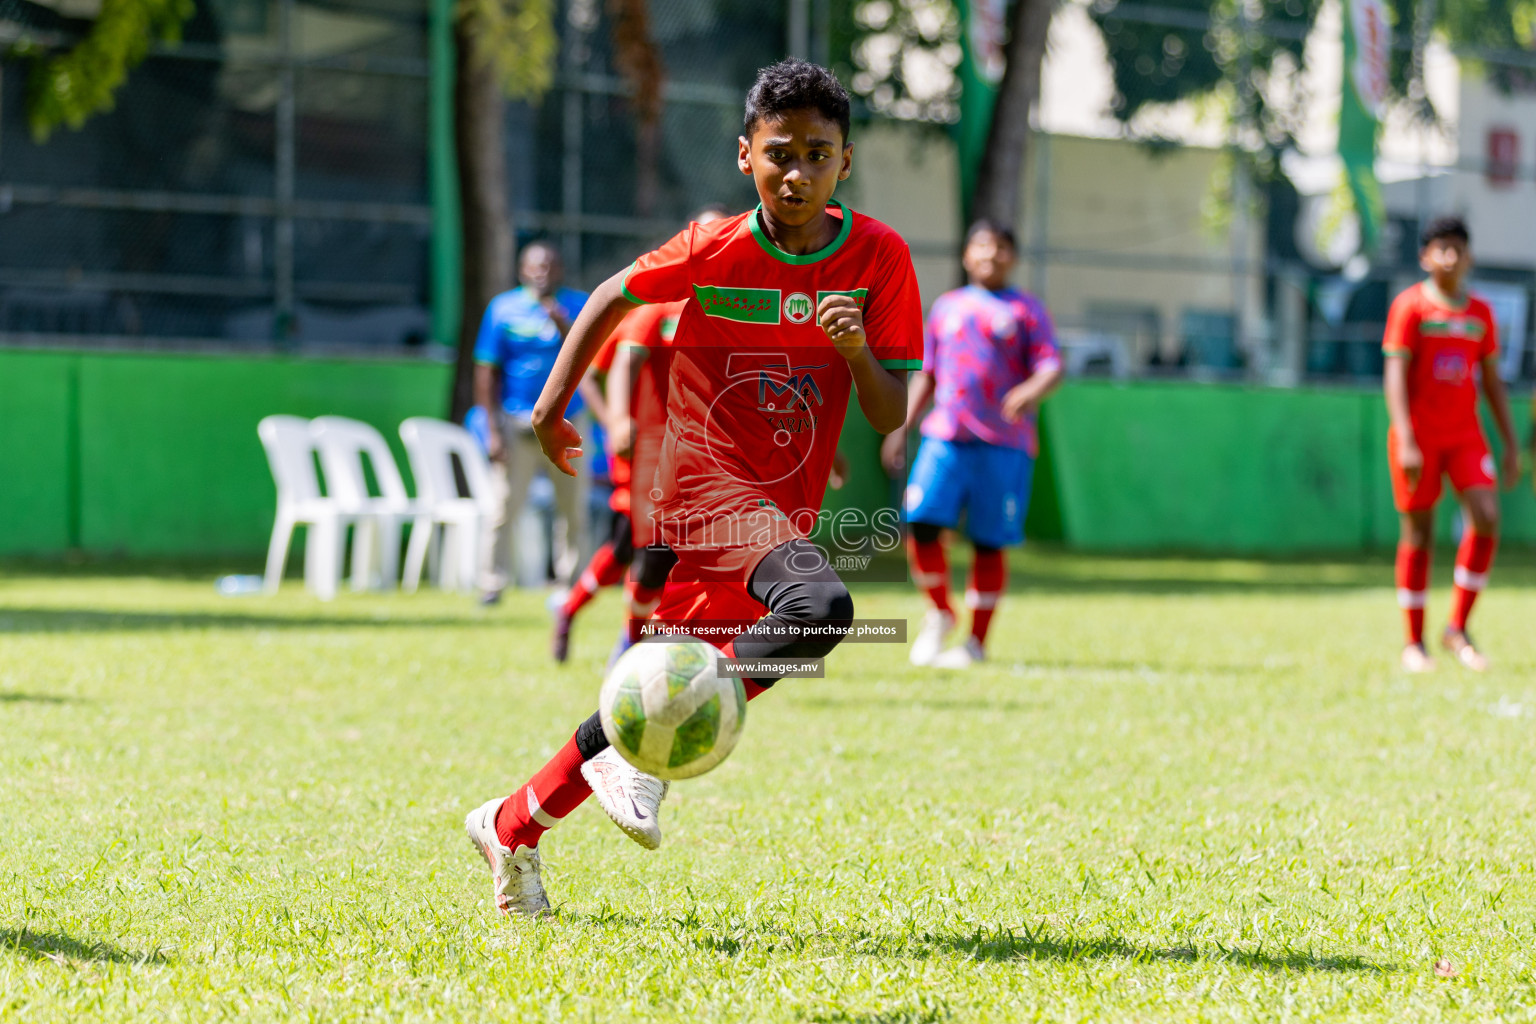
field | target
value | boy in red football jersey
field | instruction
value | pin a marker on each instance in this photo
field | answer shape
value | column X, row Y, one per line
column 1438, row 338
column 790, row 309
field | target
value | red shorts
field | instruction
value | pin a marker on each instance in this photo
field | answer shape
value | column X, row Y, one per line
column 1469, row 464
column 722, row 610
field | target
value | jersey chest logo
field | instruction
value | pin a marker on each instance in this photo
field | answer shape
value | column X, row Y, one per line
column 798, row 308
column 1451, row 368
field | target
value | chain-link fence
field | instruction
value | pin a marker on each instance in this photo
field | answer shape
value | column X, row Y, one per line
column 266, row 182
column 262, row 182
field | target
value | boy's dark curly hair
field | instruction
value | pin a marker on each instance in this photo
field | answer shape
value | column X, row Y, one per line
column 997, row 229
column 796, row 85
column 1445, row 227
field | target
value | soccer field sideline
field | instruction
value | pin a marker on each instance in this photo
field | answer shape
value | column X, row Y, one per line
column 1182, row 789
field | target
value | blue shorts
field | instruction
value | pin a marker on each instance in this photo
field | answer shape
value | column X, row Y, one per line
column 989, row 481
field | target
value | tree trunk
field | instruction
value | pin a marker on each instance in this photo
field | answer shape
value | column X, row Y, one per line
column 1002, row 164
column 479, row 131
column 638, row 59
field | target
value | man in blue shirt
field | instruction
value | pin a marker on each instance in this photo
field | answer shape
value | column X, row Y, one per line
column 519, row 339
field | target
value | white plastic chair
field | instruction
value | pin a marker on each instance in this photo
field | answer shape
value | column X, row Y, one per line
column 431, row 445
column 380, row 519
column 290, row 453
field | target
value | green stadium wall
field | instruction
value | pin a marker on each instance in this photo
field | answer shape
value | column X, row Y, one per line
column 1200, row 467
column 157, row 456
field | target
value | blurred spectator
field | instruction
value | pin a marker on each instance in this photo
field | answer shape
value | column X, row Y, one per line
column 519, row 339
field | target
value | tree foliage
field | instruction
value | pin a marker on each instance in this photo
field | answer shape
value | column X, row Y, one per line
column 901, row 56
column 517, row 39
column 68, row 88
column 1237, row 50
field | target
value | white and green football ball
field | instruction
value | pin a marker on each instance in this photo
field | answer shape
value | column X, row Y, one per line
column 666, row 708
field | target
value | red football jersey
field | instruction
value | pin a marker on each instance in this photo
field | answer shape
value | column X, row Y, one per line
column 1443, row 346
column 757, row 392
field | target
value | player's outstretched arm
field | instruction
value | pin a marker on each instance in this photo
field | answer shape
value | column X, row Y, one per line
column 601, row 314
column 893, row 450
column 1025, row 397
column 1498, row 401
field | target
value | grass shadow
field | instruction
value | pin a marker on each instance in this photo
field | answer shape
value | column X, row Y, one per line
column 994, row 945
column 997, row 945
column 97, row 620
column 1144, row 665
column 62, row 948
column 1005, row 944
column 821, row 703
column 35, row 698
column 894, row 1016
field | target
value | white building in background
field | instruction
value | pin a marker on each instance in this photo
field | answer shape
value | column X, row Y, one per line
column 1126, row 247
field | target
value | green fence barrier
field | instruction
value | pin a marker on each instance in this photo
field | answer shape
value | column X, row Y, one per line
column 1234, row 469
column 38, row 466
column 158, row 455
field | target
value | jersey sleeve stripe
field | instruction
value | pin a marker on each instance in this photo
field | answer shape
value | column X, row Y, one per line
column 624, row 287
column 902, row 364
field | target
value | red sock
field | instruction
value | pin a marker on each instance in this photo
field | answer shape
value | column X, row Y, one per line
column 753, row 689
column 1412, row 583
column 603, row 571
column 989, row 576
column 1473, row 560
column 930, row 570
column 555, row 790
column 642, row 601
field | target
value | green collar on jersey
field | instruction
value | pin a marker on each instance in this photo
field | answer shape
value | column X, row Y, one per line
column 1453, row 303
column 810, row 257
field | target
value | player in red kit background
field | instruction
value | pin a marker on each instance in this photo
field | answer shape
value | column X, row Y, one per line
column 791, row 309
column 636, row 366
column 1439, row 342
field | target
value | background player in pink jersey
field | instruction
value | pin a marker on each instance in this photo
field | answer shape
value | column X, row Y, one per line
column 989, row 359
column 1439, row 341
column 791, row 310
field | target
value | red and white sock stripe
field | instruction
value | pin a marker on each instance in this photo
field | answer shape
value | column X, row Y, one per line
column 536, row 812
column 986, row 599
column 1466, row 579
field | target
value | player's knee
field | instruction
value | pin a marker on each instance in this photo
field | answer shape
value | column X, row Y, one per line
column 925, row 533
column 654, row 565
column 829, row 613
column 836, row 608
column 1485, row 518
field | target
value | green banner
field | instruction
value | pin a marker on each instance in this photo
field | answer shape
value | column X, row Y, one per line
column 982, row 63
column 748, row 305
column 1367, row 48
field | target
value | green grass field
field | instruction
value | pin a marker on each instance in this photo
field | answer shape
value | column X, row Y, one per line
column 1182, row 790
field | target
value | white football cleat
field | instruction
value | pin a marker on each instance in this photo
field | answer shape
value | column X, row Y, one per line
column 515, row 883
column 627, row 795
column 930, row 638
column 962, row 656
column 1416, row 659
